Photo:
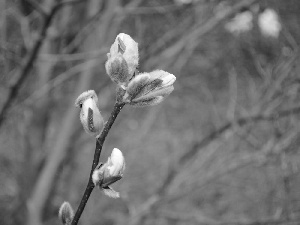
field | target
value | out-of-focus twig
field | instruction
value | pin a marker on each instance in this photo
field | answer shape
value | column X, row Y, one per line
column 152, row 10
column 194, row 34
column 200, row 219
column 173, row 171
column 37, row 7
column 23, row 72
column 74, row 56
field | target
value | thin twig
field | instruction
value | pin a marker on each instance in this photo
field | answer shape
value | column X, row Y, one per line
column 175, row 168
column 68, row 2
column 37, row 7
column 26, row 66
column 29, row 60
column 99, row 144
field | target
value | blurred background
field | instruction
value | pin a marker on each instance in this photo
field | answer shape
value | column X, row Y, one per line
column 223, row 148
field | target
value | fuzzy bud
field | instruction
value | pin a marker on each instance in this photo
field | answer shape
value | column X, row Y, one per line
column 269, row 23
column 108, row 191
column 116, row 67
column 116, row 163
column 66, row 213
column 109, row 173
column 128, row 48
column 90, row 115
column 149, row 88
column 136, row 85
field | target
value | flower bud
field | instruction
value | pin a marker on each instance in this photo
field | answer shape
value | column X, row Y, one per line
column 149, row 89
column 90, row 116
column 136, row 85
column 168, row 79
column 116, row 67
column 109, row 173
column 111, row 192
column 116, row 163
column 128, row 48
column 66, row 213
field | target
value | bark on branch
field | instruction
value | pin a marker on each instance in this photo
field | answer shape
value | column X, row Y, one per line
column 99, row 144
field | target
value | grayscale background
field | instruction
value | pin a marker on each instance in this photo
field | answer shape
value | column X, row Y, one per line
column 222, row 149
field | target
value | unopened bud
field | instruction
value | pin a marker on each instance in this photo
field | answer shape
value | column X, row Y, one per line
column 168, row 79
column 149, row 89
column 116, row 163
column 90, row 115
column 97, row 176
column 116, row 67
column 136, row 85
column 110, row 172
column 126, row 46
column 66, row 213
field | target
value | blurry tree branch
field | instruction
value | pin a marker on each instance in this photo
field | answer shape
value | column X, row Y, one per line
column 23, row 72
column 43, row 90
column 272, row 147
column 149, row 205
column 74, row 56
column 37, row 7
column 57, row 154
column 197, row 31
column 200, row 219
column 152, row 10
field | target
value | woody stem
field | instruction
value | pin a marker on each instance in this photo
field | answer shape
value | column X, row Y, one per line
column 99, row 144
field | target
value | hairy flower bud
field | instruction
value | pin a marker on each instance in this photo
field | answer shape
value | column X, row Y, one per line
column 116, row 163
column 116, row 67
column 66, row 213
column 128, row 48
column 149, row 88
column 90, row 115
column 136, row 85
column 109, row 173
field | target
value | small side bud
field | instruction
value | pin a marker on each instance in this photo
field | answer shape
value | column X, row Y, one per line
column 66, row 213
column 108, row 191
column 97, row 176
column 109, row 173
column 117, row 69
column 116, row 163
column 90, row 115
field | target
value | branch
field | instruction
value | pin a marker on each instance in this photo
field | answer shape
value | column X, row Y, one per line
column 99, row 144
column 196, row 32
column 29, row 60
column 173, row 171
column 26, row 66
column 68, row 2
column 217, row 133
column 37, row 7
